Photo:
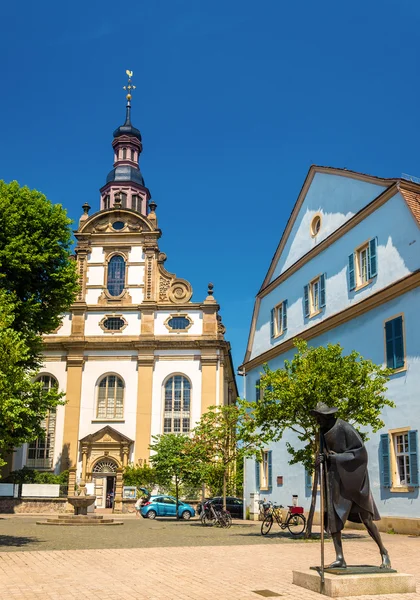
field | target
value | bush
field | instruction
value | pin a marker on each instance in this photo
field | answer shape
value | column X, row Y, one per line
column 26, row 475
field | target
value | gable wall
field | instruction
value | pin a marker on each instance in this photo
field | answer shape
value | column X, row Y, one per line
column 336, row 198
column 398, row 255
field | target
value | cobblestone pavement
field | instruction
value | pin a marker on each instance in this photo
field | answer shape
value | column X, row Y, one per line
column 232, row 571
column 23, row 534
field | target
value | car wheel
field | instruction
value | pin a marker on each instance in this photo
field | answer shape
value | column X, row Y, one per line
column 186, row 515
column 151, row 514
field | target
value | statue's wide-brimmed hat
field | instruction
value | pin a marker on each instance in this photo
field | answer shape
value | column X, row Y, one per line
column 323, row 409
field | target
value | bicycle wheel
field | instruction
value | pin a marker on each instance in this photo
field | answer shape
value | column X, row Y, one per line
column 225, row 519
column 296, row 524
column 209, row 520
column 266, row 525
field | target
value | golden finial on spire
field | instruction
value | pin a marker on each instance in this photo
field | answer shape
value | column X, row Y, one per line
column 129, row 87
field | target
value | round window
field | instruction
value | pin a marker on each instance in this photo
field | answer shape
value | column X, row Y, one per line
column 118, row 225
column 315, row 225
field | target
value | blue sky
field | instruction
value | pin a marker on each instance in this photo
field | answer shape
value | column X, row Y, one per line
column 235, row 100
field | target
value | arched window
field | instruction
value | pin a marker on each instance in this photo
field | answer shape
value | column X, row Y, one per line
column 107, row 202
column 176, row 417
column 41, row 450
column 132, row 154
column 116, row 275
column 110, row 398
column 124, row 153
column 123, row 199
column 136, row 202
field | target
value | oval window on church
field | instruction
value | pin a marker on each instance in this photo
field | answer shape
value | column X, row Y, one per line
column 118, row 225
column 113, row 323
column 179, row 323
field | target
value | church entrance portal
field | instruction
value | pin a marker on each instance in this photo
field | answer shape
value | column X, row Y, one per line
column 104, row 477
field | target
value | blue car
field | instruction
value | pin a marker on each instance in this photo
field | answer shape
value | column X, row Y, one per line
column 165, row 506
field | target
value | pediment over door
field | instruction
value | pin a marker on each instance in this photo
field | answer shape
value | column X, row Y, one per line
column 106, row 435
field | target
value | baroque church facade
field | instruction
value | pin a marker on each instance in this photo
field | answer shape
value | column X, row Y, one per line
column 135, row 356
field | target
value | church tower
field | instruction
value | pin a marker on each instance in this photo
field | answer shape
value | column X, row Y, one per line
column 135, row 355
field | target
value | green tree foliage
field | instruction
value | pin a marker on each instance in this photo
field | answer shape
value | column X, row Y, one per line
column 35, row 270
column 23, row 403
column 174, row 459
column 38, row 282
column 355, row 385
column 144, row 476
column 26, row 475
column 224, row 436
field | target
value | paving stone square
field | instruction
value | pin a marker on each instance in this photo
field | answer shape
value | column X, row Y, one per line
column 169, row 560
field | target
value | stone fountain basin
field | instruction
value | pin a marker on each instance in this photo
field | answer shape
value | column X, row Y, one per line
column 81, row 501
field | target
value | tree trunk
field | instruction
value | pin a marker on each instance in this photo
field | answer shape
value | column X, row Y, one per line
column 224, row 488
column 176, row 495
column 309, row 522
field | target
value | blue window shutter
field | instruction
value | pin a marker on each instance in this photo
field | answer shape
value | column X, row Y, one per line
column 308, row 479
column 385, row 461
column 272, row 323
column 398, row 343
column 322, row 291
column 394, row 343
column 257, row 474
column 270, row 470
column 352, row 278
column 414, row 463
column 373, row 262
column 306, row 300
column 258, row 390
column 285, row 315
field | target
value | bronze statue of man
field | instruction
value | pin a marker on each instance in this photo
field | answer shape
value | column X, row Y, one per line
column 348, row 495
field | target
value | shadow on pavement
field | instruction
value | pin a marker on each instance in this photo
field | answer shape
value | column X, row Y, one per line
column 17, row 540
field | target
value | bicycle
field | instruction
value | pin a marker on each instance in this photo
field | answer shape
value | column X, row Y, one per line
column 295, row 521
column 210, row 516
column 264, row 509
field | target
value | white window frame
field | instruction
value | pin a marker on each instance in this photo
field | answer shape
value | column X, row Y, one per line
column 264, row 470
column 397, row 483
column 314, row 307
column 118, row 411
column 43, row 447
column 182, row 415
column 362, row 270
column 278, row 319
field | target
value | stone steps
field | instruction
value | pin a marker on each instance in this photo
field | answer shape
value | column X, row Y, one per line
column 80, row 521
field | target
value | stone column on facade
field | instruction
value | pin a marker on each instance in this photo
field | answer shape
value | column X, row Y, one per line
column 72, row 481
column 209, row 360
column 75, row 362
column 150, row 270
column 145, row 362
column 84, row 463
column 210, row 321
column 222, row 396
column 126, row 451
column 118, row 491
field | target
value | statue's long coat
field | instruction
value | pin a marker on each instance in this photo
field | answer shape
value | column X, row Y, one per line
column 348, row 492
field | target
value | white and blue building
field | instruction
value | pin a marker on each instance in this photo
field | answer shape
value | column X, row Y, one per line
column 346, row 270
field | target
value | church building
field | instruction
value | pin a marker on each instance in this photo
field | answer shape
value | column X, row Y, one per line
column 135, row 355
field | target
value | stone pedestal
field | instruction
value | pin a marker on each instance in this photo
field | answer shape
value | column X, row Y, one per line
column 356, row 585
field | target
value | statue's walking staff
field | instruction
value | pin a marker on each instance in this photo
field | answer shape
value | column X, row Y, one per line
column 322, row 509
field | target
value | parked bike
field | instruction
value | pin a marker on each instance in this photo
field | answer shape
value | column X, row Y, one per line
column 211, row 516
column 294, row 521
